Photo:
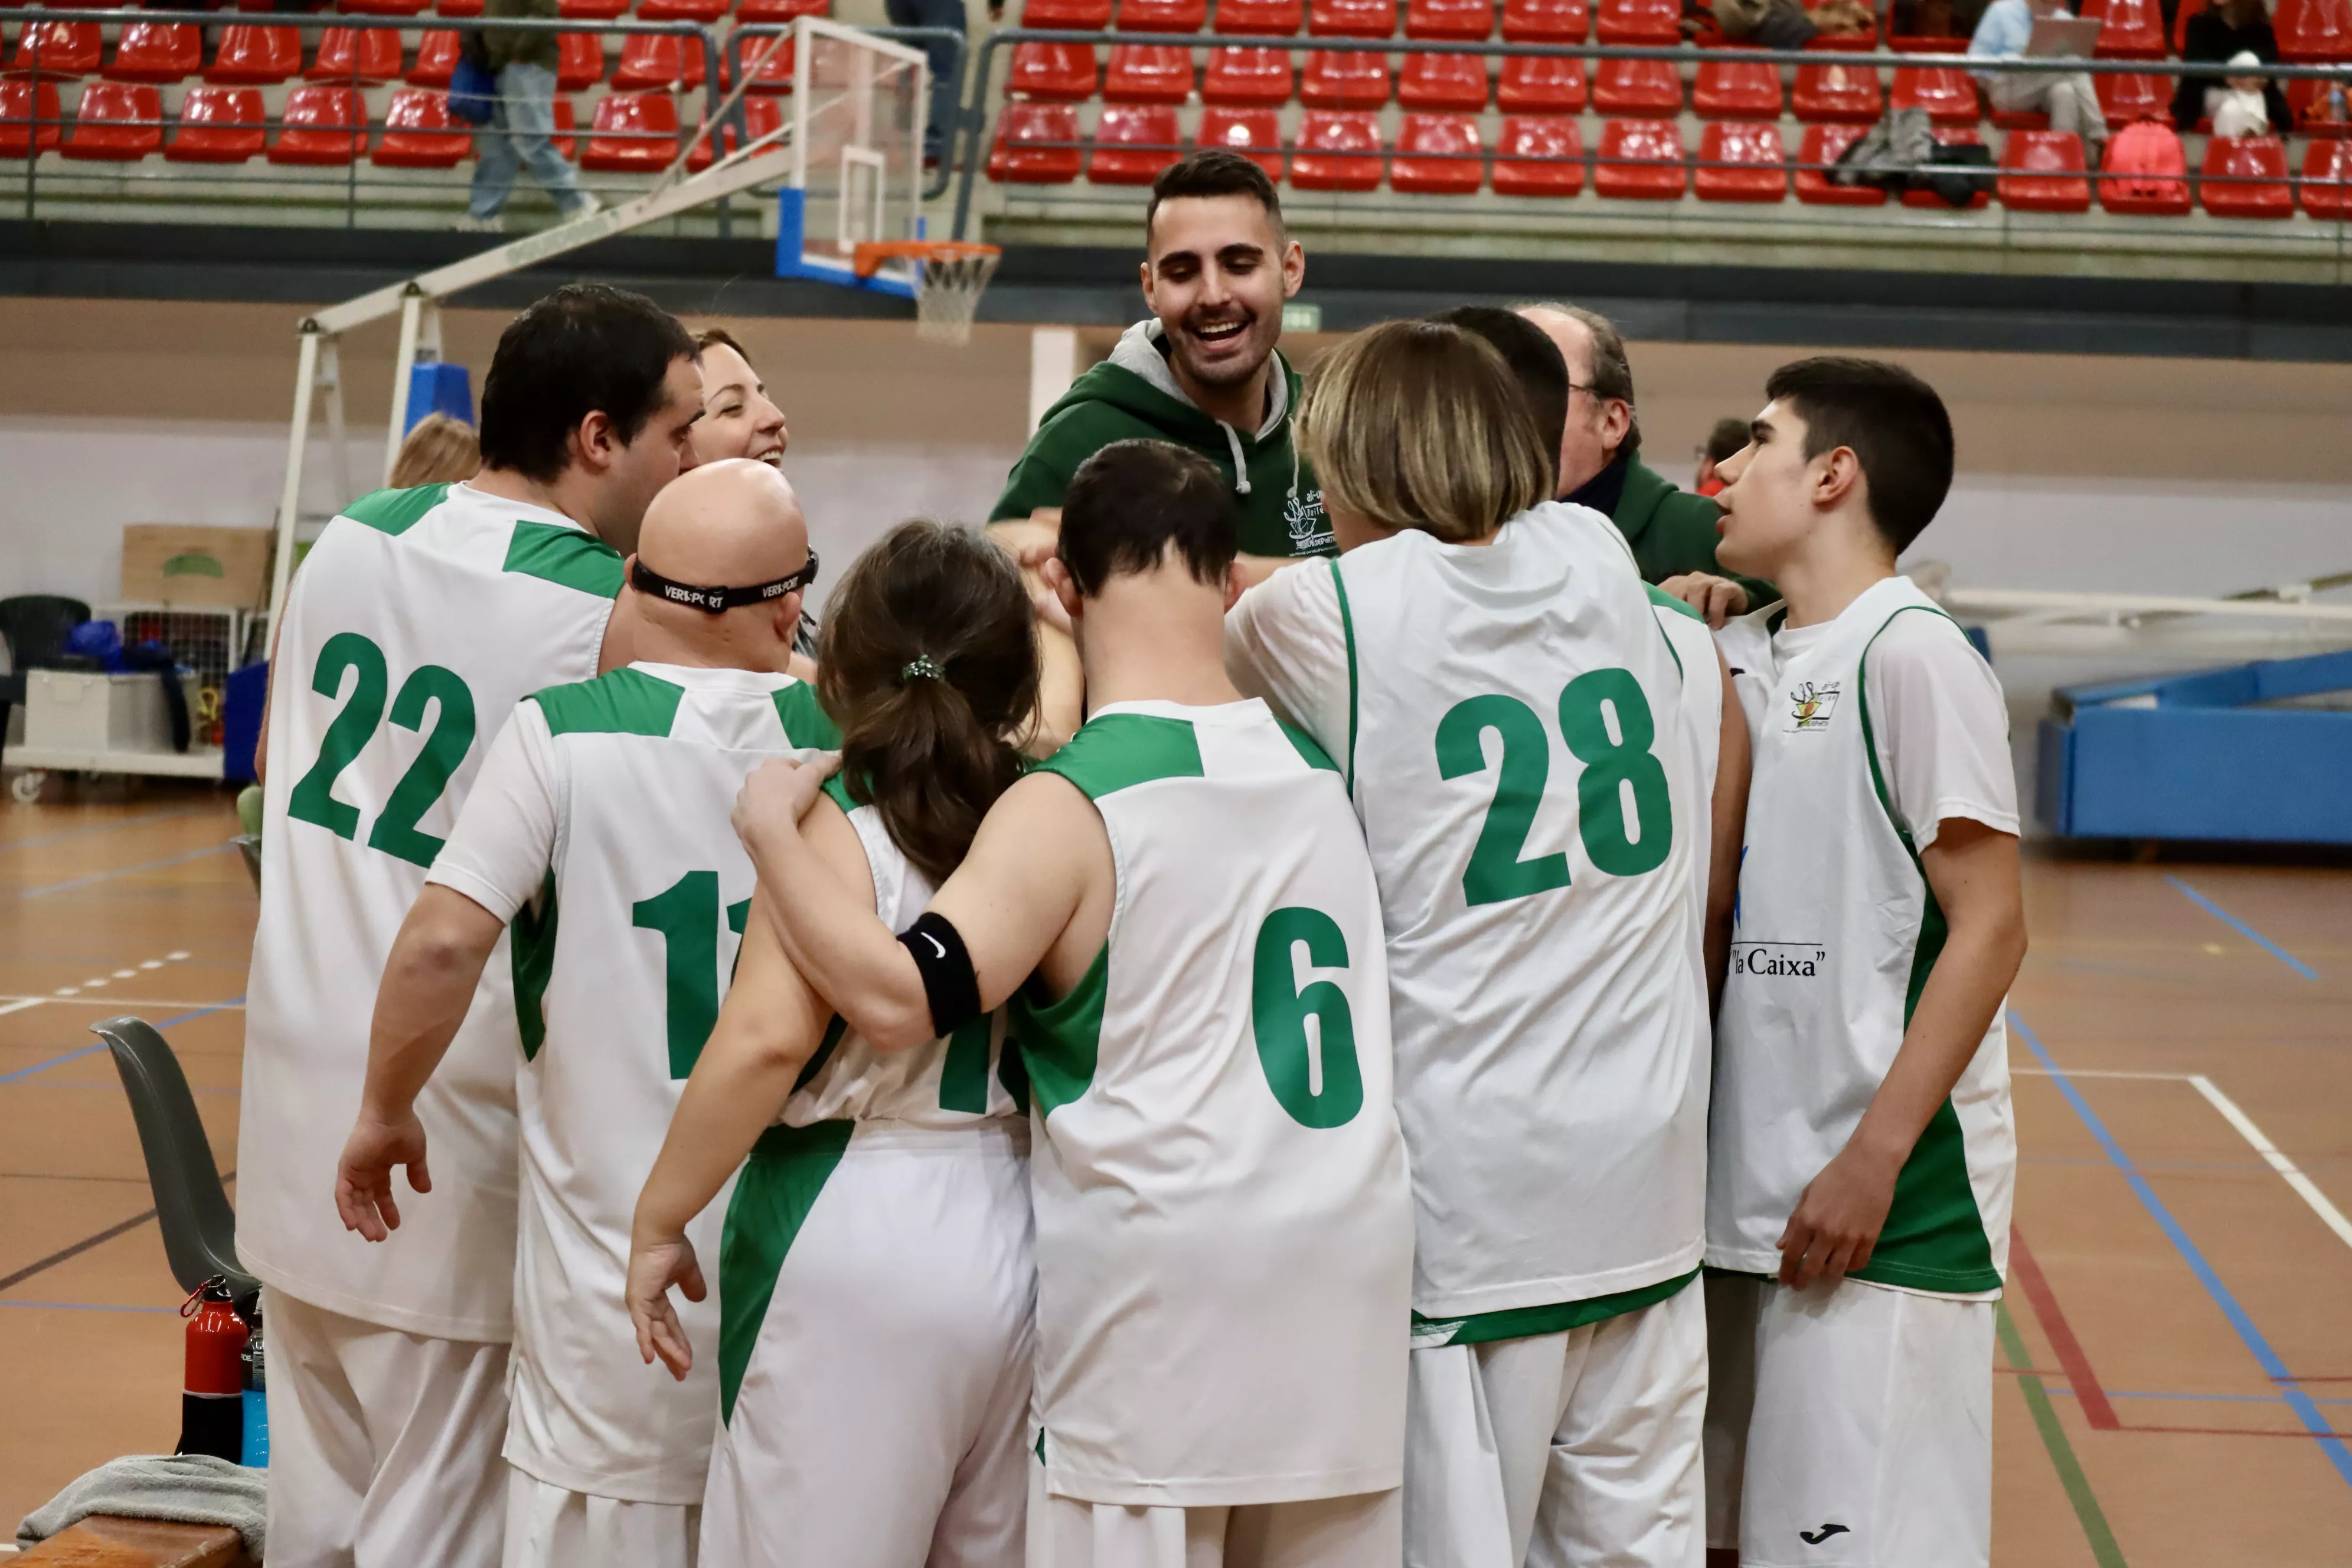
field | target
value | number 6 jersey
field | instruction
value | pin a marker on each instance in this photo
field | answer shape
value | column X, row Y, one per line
column 417, row 622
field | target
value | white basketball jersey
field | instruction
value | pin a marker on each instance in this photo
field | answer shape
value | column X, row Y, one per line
column 418, row 621
column 1224, row 1227
column 1836, row 933
column 1525, row 774
column 620, row 972
column 952, row 1082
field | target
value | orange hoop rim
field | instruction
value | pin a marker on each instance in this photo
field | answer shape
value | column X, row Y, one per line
column 872, row 253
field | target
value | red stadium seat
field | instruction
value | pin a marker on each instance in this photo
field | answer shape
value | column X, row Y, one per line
column 1052, row 72
column 1331, row 142
column 1640, row 160
column 1836, row 95
column 1163, row 16
column 2042, row 172
column 2129, row 98
column 323, row 125
column 2245, row 177
column 591, row 10
column 1951, row 136
column 633, row 133
column 2128, row 29
column 58, row 48
column 1444, row 82
column 1641, row 21
column 1255, row 132
column 1240, row 79
column 1122, row 128
column 1948, row 96
column 769, row 73
column 116, row 122
column 580, row 61
column 2317, row 111
column 1438, row 154
column 1018, row 160
column 418, row 132
column 2016, row 119
column 1350, row 81
column 1860, row 41
column 2314, row 32
column 1546, row 22
column 259, row 57
column 658, row 62
column 1087, row 13
column 1637, row 87
column 1763, row 172
column 436, row 59
column 1736, row 92
column 2327, row 179
column 351, row 55
column 1149, row 73
column 1538, row 155
column 1468, row 19
column 681, row 10
column 1351, row 19
column 382, row 7
column 762, row 115
column 31, row 120
column 1534, row 84
column 1277, row 18
column 157, row 52
column 218, row 125
column 767, row 11
column 2147, row 194
column 1814, row 187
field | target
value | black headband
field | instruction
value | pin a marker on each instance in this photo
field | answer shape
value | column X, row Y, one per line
column 714, row 601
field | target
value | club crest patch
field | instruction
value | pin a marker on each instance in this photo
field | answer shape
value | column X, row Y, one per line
column 1310, row 526
column 1810, row 705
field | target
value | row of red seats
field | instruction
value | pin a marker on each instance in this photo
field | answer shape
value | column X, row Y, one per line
column 574, row 10
column 124, row 122
column 1538, row 155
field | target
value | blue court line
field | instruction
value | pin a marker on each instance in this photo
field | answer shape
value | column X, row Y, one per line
column 2244, row 930
column 222, row 848
column 81, row 1051
column 87, row 1307
column 2301, row 1403
column 102, row 827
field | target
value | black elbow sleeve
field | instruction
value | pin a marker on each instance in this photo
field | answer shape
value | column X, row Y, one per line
column 951, row 986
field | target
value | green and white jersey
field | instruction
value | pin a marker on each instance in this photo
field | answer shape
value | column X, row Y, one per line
column 418, row 621
column 952, row 1082
column 1870, row 730
column 600, row 828
column 1513, row 718
column 1224, row 1227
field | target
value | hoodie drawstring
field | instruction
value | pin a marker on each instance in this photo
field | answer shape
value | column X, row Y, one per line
column 1241, row 464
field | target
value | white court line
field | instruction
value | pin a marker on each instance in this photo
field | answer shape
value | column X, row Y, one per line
column 2097, row 1072
column 18, row 1004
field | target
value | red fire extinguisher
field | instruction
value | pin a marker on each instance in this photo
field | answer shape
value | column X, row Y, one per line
column 212, row 1407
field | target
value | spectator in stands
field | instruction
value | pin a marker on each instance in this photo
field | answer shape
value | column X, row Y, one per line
column 522, row 123
column 939, row 119
column 1786, row 25
column 1727, row 437
column 439, row 450
column 1672, row 533
column 2066, row 97
column 2223, row 31
column 2240, row 109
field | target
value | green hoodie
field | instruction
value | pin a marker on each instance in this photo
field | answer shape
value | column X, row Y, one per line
column 1278, row 506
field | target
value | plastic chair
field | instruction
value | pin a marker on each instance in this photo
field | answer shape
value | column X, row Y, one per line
column 57, row 48
column 2327, row 179
column 458, row 9
column 1532, row 84
column 1538, row 155
column 2129, row 98
column 2245, row 177
column 436, row 59
column 33, row 625
column 1436, row 155
column 2167, row 197
column 2128, row 29
column 2042, row 172
column 257, row 56
column 681, row 10
column 192, row 1206
column 1116, row 161
column 1951, row 136
column 1052, row 73
column 351, row 55
column 1241, row 78
column 2312, row 32
column 1336, row 81
column 1091, row 15
column 1277, row 18
column 1822, row 144
column 1763, row 172
column 1329, row 154
column 658, row 62
column 418, row 132
column 1948, row 95
column 591, row 10
column 1163, row 16
column 1640, row 160
column 579, row 62
column 324, row 125
column 633, row 133
column 1352, row 18
column 1464, row 19
column 785, row 10
column 1455, row 83
column 116, row 122
column 1149, row 73
column 1546, row 21
column 1018, row 160
column 383, row 8
column 1725, row 91
column 160, row 52
column 1639, row 22
column 1637, row 88
column 762, row 115
column 1253, row 132
column 1837, row 95
column 218, row 125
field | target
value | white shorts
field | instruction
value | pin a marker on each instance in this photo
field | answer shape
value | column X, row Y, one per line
column 548, row 1527
column 1365, row 1530
column 1851, row 1425
column 878, row 1289
column 1577, row 1449
column 384, row 1445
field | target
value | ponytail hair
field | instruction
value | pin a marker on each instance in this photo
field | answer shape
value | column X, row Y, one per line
column 928, row 663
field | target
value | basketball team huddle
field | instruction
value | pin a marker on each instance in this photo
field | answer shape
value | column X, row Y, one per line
column 1283, row 1007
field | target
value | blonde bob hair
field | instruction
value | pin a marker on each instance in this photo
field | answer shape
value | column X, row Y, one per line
column 1420, row 425
column 439, row 451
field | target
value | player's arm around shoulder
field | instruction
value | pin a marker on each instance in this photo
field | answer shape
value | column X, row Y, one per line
column 1288, row 640
column 1035, row 892
column 1727, row 814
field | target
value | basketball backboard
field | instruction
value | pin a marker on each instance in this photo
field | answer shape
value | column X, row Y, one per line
column 856, row 145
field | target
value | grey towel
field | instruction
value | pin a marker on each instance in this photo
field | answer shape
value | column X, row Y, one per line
column 185, row 1489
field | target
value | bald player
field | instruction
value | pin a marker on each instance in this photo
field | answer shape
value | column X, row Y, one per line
column 599, row 828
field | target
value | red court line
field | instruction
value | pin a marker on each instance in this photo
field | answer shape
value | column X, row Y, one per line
column 2088, row 1392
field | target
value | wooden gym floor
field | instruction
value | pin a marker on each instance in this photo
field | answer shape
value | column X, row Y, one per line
column 2175, row 1385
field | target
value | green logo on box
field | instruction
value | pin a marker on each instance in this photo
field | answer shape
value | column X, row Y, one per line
column 194, row 563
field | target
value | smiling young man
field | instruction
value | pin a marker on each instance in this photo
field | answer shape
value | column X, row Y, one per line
column 1203, row 372
column 1861, row 1152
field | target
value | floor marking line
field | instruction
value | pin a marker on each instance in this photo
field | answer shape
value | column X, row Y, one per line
column 79, row 1052
column 123, row 871
column 104, row 827
column 2244, row 930
column 18, row 1004
column 2061, row 1450
column 89, row 1307
column 2071, row 1358
column 2106, row 1072
column 11, row 1004
column 66, row 1254
column 2331, row 1443
column 2329, row 1215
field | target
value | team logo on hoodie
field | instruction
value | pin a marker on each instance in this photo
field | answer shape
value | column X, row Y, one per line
column 1310, row 530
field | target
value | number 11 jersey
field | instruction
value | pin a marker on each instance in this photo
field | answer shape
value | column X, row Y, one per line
column 417, row 622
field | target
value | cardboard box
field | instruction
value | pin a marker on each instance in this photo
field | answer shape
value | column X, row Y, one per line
column 189, row 563
column 69, row 710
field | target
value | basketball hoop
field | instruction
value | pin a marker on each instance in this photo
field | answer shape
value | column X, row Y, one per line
column 950, row 275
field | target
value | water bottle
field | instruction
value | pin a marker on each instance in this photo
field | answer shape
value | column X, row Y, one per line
column 257, row 1400
column 212, row 1414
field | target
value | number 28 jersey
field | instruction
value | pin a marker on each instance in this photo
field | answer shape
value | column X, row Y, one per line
column 417, row 622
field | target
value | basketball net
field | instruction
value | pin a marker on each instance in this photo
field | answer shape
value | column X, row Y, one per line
column 950, row 275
